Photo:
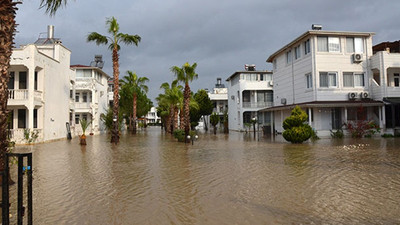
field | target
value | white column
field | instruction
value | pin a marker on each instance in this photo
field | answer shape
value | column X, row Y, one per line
column 380, row 117
column 31, row 95
column 384, row 117
column 345, row 114
column 309, row 117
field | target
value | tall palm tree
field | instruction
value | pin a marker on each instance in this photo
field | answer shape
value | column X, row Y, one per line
column 8, row 9
column 135, row 85
column 115, row 39
column 185, row 74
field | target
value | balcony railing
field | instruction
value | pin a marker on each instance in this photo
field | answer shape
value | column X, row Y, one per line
column 18, row 135
column 38, row 95
column 82, row 105
column 18, row 94
column 257, row 104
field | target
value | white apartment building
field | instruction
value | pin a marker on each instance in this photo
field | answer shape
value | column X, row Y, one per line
column 327, row 73
column 89, row 96
column 152, row 117
column 385, row 84
column 248, row 92
column 39, row 86
column 219, row 97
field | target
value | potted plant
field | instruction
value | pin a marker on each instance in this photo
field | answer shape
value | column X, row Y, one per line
column 84, row 124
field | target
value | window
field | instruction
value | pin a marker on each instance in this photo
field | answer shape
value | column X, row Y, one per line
column 22, row 80
column 11, row 81
column 35, row 118
column 297, row 52
column 328, row 44
column 265, row 77
column 309, row 80
column 354, row 45
column 289, row 56
column 354, row 113
column 76, row 97
column 21, row 118
column 84, row 97
column 249, row 77
column 327, row 79
column 36, row 81
column 396, row 79
column 71, row 94
column 307, row 48
column 77, row 119
column 84, row 117
column 246, row 96
column 353, row 79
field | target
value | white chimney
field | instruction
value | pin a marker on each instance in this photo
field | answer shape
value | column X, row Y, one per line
column 50, row 31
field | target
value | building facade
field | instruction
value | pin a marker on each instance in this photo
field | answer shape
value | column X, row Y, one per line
column 152, row 117
column 40, row 79
column 327, row 73
column 248, row 92
column 90, row 98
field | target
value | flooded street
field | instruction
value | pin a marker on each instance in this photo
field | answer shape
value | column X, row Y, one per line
column 152, row 179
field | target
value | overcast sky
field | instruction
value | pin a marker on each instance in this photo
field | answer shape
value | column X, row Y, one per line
column 219, row 35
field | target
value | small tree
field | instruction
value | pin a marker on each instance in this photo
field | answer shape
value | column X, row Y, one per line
column 84, row 125
column 214, row 120
column 296, row 130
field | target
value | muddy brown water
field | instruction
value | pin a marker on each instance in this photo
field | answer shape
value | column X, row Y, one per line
column 221, row 179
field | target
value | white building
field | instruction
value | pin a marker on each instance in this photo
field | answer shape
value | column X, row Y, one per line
column 39, row 86
column 385, row 84
column 90, row 96
column 327, row 73
column 248, row 92
column 219, row 97
column 152, row 117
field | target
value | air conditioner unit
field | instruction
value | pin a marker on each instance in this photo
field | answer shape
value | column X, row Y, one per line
column 357, row 57
column 364, row 95
column 283, row 101
column 232, row 97
column 271, row 83
column 352, row 95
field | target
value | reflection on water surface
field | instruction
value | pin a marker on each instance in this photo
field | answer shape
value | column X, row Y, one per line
column 151, row 179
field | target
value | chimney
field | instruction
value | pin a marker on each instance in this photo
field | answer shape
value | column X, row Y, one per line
column 50, row 31
column 218, row 81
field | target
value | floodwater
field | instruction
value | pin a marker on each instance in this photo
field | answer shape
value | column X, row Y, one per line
column 221, row 179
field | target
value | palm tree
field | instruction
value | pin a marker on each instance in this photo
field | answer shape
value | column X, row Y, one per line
column 8, row 10
column 115, row 39
column 172, row 97
column 134, row 85
column 185, row 75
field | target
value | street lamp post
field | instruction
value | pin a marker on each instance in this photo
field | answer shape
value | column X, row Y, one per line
column 192, row 138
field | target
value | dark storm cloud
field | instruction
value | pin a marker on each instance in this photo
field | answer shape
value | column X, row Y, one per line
column 221, row 36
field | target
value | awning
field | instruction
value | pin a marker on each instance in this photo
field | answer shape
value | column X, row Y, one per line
column 326, row 104
column 389, row 101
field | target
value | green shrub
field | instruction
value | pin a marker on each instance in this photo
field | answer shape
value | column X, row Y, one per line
column 337, row 134
column 180, row 135
column 296, row 130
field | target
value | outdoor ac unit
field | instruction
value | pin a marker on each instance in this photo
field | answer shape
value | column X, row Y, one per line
column 364, row 95
column 283, row 101
column 357, row 57
column 232, row 97
column 271, row 83
column 352, row 95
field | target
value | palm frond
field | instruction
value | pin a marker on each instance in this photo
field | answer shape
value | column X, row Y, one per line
column 98, row 38
column 52, row 5
column 129, row 39
column 113, row 26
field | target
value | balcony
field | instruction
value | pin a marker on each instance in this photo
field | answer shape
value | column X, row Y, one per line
column 82, row 105
column 18, row 94
column 18, row 135
column 257, row 104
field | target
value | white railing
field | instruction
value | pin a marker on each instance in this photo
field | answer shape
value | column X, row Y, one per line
column 18, row 135
column 38, row 95
column 257, row 104
column 82, row 105
column 17, row 94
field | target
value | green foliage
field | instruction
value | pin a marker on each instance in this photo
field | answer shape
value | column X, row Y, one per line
column 107, row 119
column 214, row 119
column 296, row 130
column 225, row 122
column 84, row 125
column 387, row 135
column 180, row 135
column 205, row 104
column 314, row 135
column 337, row 134
column 31, row 137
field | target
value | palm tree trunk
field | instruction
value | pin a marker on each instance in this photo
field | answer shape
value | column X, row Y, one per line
column 115, row 131
column 7, row 30
column 176, row 118
column 186, row 100
column 134, row 113
column 181, row 120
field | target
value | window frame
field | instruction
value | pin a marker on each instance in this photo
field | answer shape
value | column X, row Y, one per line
column 309, row 81
column 297, row 52
column 329, row 44
column 307, row 47
column 354, row 84
column 328, row 74
column 289, row 57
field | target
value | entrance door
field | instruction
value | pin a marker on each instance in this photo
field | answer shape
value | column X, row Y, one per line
column 336, row 118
